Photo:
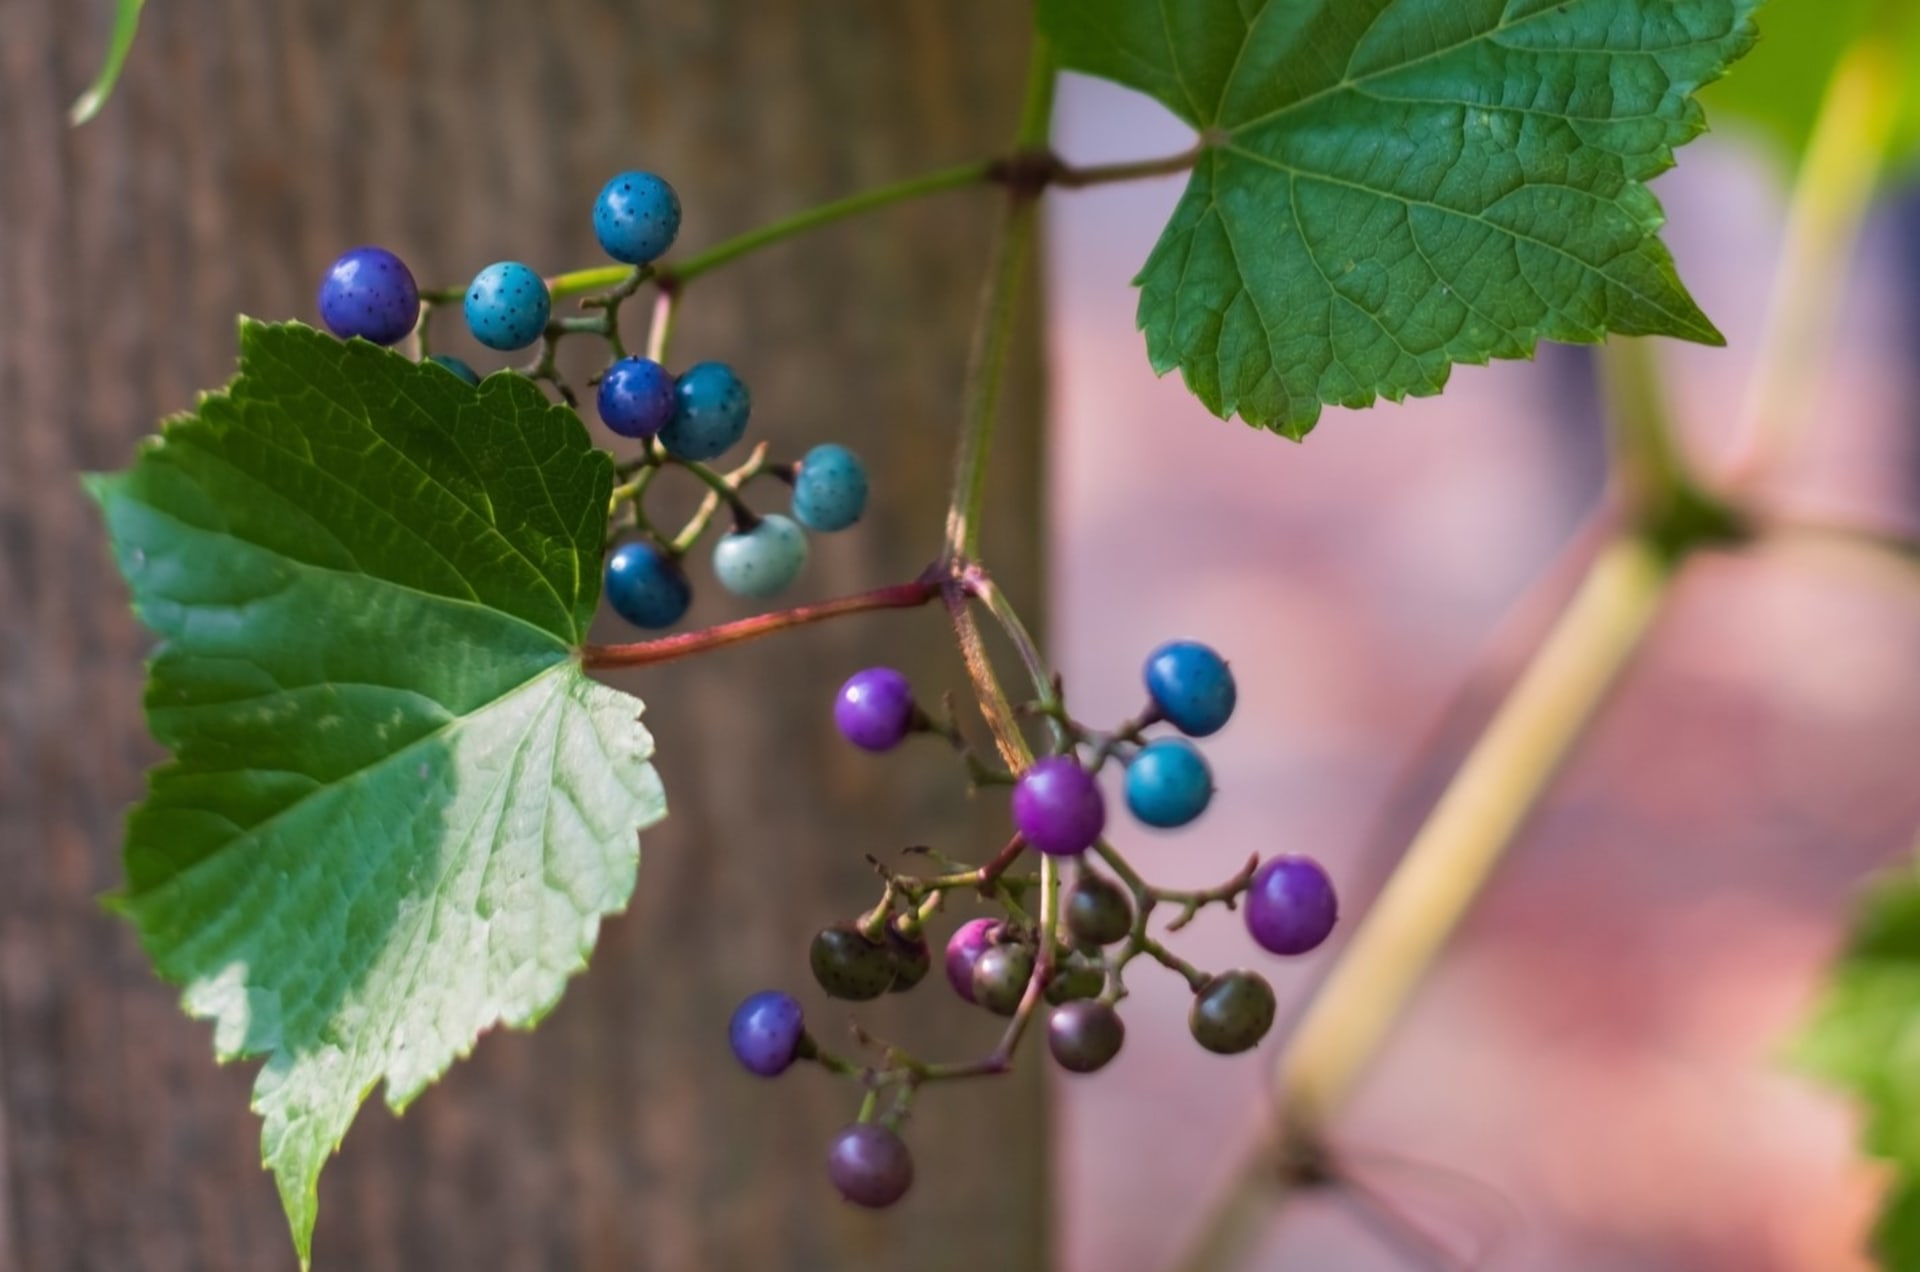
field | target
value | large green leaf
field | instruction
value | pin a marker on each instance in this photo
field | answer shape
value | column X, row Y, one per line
column 1865, row 1036
column 1393, row 186
column 1779, row 88
column 396, row 809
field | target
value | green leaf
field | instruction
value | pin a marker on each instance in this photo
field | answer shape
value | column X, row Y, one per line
column 1865, row 1037
column 1389, row 187
column 396, row 809
column 126, row 25
column 1778, row 89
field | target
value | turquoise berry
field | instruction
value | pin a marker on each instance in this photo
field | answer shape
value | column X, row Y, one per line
column 458, row 366
column 830, row 489
column 636, row 218
column 710, row 411
column 762, row 561
column 1168, row 783
column 507, row 306
column 645, row 586
column 1191, row 686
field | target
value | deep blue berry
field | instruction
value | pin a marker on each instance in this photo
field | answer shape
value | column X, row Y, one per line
column 458, row 366
column 1291, row 905
column 710, row 412
column 1191, row 686
column 763, row 561
column 1057, row 806
column 507, row 306
column 875, row 709
column 830, row 490
column 636, row 397
column 766, row 1031
column 645, row 586
column 870, row 1165
column 636, row 218
column 370, row 293
column 1168, row 783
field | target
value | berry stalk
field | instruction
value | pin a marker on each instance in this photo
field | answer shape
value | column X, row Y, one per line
column 645, row 653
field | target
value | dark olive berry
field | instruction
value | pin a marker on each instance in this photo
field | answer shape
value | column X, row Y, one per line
column 911, row 958
column 848, row 965
column 1000, row 977
column 1084, row 1036
column 1076, row 980
column 1099, row 912
column 1232, row 1012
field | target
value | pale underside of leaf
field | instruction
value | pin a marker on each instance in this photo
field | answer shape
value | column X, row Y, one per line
column 397, row 810
column 1395, row 186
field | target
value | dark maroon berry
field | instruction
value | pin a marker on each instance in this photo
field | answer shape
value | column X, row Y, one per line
column 1000, row 978
column 1099, row 911
column 1076, row 980
column 870, row 1165
column 910, row 955
column 1084, row 1036
column 848, row 965
column 964, row 950
column 1232, row 1012
column 1058, row 807
column 1291, row 906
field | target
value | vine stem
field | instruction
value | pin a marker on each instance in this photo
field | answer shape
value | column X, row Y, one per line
column 668, row 648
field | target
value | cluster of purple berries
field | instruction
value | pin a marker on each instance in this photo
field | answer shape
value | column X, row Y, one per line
column 1058, row 809
column 696, row 416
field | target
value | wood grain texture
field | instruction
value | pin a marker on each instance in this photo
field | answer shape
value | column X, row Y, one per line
column 247, row 145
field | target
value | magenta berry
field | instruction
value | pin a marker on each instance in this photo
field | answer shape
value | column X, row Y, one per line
column 875, row 709
column 964, row 949
column 1058, row 808
column 1291, row 905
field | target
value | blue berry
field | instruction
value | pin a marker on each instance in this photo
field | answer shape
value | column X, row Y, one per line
column 760, row 562
column 507, row 306
column 370, row 293
column 1191, row 686
column 645, row 586
column 1057, row 806
column 636, row 397
column 1168, row 783
column 710, row 412
column 830, row 490
column 875, row 709
column 1291, row 906
column 447, row 362
column 636, row 218
column 766, row 1031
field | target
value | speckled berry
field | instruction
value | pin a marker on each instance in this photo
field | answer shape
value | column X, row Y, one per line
column 762, row 561
column 458, row 366
column 507, row 306
column 636, row 218
column 765, row 1032
column 1084, row 1036
column 830, row 488
column 1168, row 783
column 1098, row 910
column 635, row 397
column 1000, row 977
column 870, row 1165
column 875, row 709
column 710, row 412
column 847, row 965
column 1057, row 806
column 1291, row 906
column 369, row 292
column 912, row 960
column 1192, row 687
column 645, row 586
column 1076, row 980
column 1232, row 1012
column 964, row 949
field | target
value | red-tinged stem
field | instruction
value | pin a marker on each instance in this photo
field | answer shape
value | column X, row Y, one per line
column 647, row 652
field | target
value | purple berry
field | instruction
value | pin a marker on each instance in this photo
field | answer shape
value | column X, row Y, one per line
column 870, row 1165
column 964, row 949
column 370, row 293
column 766, row 1032
column 1058, row 808
column 1291, row 906
column 875, row 709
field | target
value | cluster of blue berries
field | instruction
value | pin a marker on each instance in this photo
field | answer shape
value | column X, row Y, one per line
column 688, row 419
column 1057, row 808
